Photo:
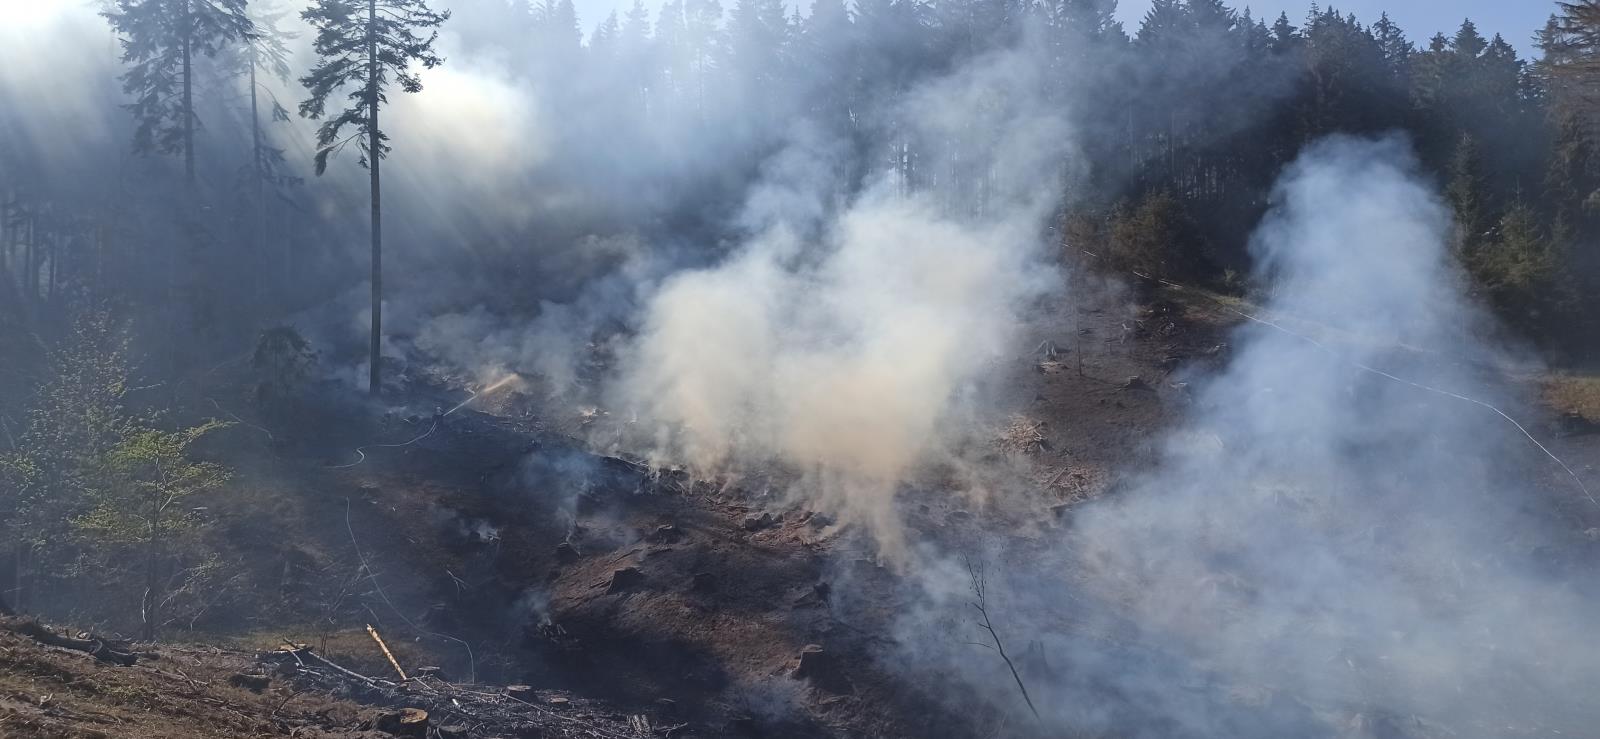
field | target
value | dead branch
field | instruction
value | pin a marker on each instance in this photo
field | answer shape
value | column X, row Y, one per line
column 1023, row 436
column 982, row 607
column 390, row 655
column 297, row 651
column 96, row 647
column 472, row 659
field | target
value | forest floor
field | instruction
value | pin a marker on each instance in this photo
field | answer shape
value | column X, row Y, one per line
column 501, row 550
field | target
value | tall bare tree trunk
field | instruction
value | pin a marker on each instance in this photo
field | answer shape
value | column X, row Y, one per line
column 259, row 239
column 99, row 254
column 31, row 274
column 374, row 156
column 188, row 97
column 19, row 573
column 56, row 247
column 7, row 241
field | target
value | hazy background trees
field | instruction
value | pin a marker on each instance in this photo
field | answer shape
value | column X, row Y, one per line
column 550, row 141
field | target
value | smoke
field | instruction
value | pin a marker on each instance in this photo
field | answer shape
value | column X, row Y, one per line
column 842, row 339
column 59, row 92
column 1319, row 550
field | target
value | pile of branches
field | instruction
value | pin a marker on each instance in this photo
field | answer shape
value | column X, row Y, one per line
column 455, row 711
column 1023, row 436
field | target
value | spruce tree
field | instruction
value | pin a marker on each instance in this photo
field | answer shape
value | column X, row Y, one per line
column 605, row 39
column 160, row 39
column 363, row 45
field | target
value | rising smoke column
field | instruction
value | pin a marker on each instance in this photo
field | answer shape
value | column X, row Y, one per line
column 841, row 339
column 1320, row 550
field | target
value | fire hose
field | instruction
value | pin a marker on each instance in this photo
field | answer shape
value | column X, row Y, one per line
column 1578, row 481
column 361, row 451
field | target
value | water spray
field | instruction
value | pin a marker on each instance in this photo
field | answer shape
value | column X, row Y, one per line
column 361, row 451
column 502, row 382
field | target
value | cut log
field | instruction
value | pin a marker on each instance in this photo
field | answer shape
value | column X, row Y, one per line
column 98, row 648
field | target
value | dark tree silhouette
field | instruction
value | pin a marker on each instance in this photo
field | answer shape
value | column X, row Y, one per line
column 160, row 39
column 363, row 46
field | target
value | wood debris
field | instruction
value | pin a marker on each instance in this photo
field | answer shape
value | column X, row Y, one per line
column 1023, row 436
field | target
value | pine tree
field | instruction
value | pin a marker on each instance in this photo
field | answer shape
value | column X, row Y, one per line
column 1465, row 191
column 1468, row 43
column 558, row 40
column 703, row 35
column 1284, row 34
column 363, row 45
column 756, row 39
column 1571, row 42
column 263, row 55
column 825, row 42
column 1397, row 51
column 604, row 42
column 636, row 26
column 160, row 39
column 636, row 54
column 1166, row 19
column 672, row 47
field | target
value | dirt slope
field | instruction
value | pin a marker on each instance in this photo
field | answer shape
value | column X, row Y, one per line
column 505, row 552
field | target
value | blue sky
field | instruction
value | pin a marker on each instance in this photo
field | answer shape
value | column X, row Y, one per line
column 1517, row 20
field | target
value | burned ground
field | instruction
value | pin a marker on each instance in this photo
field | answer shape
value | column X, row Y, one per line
column 503, row 550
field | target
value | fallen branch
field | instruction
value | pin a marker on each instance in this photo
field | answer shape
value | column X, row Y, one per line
column 297, row 650
column 496, row 709
column 385, row 647
column 98, row 648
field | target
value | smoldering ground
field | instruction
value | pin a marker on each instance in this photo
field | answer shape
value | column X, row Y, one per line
column 847, row 336
column 1319, row 550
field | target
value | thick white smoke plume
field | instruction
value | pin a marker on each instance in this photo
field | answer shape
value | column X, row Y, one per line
column 841, row 341
column 1320, row 550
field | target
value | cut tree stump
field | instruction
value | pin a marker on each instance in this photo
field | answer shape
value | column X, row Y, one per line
column 408, row 722
column 625, row 579
column 249, row 681
column 822, row 669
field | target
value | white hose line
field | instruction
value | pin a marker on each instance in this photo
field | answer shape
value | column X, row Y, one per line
column 1446, row 393
column 361, row 454
column 361, row 451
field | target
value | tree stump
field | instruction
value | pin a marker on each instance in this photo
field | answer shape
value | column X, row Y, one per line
column 408, row 722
